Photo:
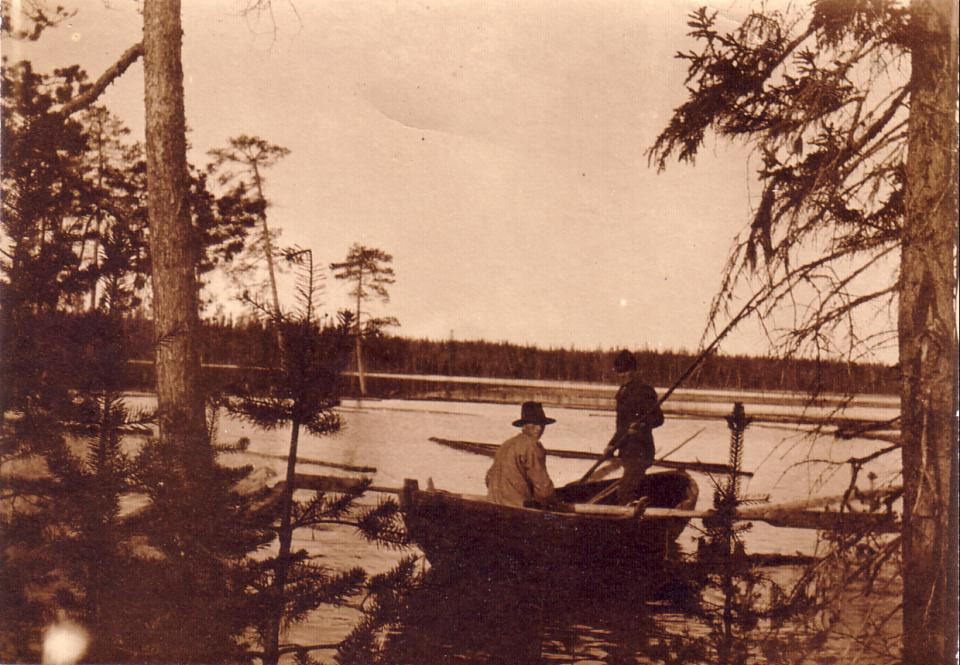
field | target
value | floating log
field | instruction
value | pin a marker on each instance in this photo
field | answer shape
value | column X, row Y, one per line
column 490, row 449
column 316, row 462
column 875, row 495
column 824, row 520
column 798, row 515
column 778, row 559
column 340, row 484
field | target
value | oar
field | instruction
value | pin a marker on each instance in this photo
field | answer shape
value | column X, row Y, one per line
column 746, row 310
column 490, row 449
column 680, row 445
column 792, row 514
column 603, row 494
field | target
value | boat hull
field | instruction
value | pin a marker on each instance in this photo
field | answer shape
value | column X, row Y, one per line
column 453, row 528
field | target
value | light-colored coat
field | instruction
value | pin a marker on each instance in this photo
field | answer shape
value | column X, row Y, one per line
column 519, row 473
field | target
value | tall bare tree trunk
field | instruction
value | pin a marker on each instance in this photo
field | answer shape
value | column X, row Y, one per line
column 928, row 341
column 271, row 648
column 172, row 244
column 359, row 339
column 267, row 245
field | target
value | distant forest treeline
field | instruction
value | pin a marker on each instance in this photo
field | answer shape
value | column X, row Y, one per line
column 251, row 344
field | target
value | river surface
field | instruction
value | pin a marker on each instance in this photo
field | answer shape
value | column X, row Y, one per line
column 483, row 621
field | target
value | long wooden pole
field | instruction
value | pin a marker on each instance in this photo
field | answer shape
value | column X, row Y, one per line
column 490, row 449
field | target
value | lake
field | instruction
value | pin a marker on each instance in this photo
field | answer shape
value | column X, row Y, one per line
column 487, row 621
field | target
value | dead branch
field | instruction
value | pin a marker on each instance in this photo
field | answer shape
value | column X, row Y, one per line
column 115, row 71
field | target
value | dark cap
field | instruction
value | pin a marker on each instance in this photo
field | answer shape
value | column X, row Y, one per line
column 532, row 412
column 624, row 362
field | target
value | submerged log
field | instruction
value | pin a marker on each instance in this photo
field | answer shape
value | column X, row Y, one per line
column 316, row 462
column 339, row 484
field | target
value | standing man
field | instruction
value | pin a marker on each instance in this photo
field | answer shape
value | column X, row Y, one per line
column 637, row 414
column 519, row 471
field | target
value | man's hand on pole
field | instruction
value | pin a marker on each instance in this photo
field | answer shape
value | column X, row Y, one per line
column 634, row 428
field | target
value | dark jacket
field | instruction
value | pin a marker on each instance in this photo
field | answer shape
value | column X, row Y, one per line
column 636, row 400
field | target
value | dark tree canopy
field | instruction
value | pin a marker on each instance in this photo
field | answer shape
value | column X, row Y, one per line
column 368, row 270
column 823, row 100
column 852, row 113
column 177, row 576
column 27, row 19
column 75, row 204
column 251, row 155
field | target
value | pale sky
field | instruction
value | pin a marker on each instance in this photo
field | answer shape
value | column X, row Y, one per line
column 496, row 149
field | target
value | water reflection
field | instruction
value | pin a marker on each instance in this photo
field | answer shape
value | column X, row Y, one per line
column 468, row 615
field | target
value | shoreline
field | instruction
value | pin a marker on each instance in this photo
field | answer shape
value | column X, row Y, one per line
column 771, row 407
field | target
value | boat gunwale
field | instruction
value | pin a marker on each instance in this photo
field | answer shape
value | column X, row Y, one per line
column 485, row 501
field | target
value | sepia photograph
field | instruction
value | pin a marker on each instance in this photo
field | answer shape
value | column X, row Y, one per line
column 508, row 332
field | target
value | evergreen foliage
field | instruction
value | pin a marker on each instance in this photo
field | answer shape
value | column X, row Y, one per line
column 33, row 20
column 367, row 270
column 144, row 545
column 759, row 614
column 302, row 389
column 387, row 597
column 74, row 204
column 44, row 189
column 248, row 346
column 831, row 141
column 851, row 110
column 138, row 544
column 251, row 154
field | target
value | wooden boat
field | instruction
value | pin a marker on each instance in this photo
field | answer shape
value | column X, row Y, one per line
column 803, row 514
column 469, row 529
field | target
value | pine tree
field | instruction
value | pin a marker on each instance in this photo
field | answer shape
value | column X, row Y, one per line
column 252, row 154
column 857, row 163
column 303, row 391
column 368, row 270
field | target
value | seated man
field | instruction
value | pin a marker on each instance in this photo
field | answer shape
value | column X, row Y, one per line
column 519, row 471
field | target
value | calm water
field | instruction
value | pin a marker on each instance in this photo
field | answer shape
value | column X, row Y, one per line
column 486, row 620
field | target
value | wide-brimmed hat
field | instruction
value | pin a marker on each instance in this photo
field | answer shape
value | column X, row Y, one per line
column 532, row 412
column 624, row 362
